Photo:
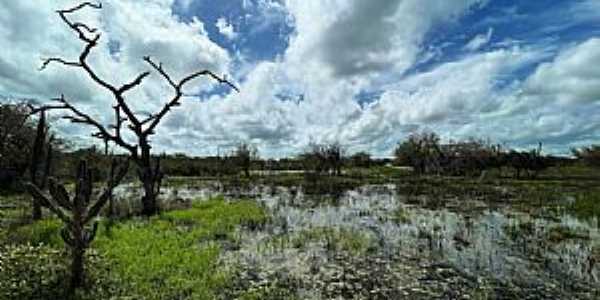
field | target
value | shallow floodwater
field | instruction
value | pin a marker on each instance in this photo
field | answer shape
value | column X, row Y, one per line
column 500, row 244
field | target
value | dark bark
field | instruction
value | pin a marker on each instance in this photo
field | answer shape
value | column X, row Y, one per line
column 77, row 270
column 150, row 174
column 36, row 158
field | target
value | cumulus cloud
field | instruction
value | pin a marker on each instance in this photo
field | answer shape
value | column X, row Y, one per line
column 130, row 30
column 479, row 40
column 225, row 28
column 338, row 50
column 448, row 97
column 572, row 78
column 359, row 37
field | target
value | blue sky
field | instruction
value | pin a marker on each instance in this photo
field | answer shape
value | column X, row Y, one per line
column 364, row 73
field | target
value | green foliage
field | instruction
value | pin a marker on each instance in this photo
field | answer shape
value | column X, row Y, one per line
column 16, row 138
column 157, row 261
column 164, row 257
column 46, row 231
column 587, row 205
column 420, row 151
column 217, row 215
column 172, row 256
column 402, row 216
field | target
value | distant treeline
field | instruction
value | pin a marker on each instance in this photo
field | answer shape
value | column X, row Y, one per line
column 427, row 155
column 423, row 152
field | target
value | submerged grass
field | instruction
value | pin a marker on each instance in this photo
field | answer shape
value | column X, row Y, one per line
column 586, row 205
column 332, row 238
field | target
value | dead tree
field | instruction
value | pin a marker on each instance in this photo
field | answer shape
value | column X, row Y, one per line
column 143, row 127
column 77, row 213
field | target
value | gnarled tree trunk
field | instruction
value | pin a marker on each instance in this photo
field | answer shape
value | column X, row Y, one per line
column 151, row 176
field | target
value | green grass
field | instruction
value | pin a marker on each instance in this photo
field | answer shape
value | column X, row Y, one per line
column 586, row 205
column 160, row 262
column 46, row 232
column 174, row 255
column 171, row 256
column 401, row 215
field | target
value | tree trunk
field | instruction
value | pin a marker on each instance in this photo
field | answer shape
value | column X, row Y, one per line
column 37, row 155
column 77, row 273
column 150, row 206
column 151, row 179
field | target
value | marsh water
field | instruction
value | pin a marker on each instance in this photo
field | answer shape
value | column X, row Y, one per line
column 375, row 242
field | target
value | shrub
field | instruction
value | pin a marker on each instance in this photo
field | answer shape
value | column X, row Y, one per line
column 326, row 158
column 421, row 151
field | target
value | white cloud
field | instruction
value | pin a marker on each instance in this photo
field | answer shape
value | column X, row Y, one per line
column 225, row 28
column 450, row 96
column 34, row 31
column 572, row 78
column 360, row 37
column 327, row 64
column 338, row 49
column 479, row 40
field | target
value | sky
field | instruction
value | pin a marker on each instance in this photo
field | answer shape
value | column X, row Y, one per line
column 365, row 74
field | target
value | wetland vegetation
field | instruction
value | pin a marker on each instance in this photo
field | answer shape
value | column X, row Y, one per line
column 431, row 219
column 360, row 235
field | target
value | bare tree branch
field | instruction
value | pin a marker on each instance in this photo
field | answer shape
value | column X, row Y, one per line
column 90, row 44
column 160, row 70
column 156, row 118
column 80, row 6
column 179, row 86
column 207, row 73
column 58, row 60
column 83, row 118
column 149, row 173
column 85, row 26
column 77, row 26
column 137, row 81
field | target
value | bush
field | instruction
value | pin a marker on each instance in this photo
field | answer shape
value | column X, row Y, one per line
column 327, row 158
column 421, row 152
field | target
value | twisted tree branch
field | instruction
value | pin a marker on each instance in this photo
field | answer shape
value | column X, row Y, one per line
column 58, row 60
column 156, row 118
column 83, row 118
